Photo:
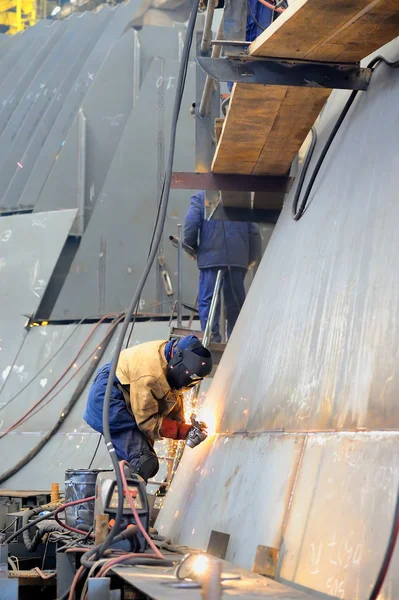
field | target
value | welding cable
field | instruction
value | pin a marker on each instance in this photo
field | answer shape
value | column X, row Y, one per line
column 31, row 544
column 255, row 20
column 388, row 553
column 93, row 458
column 47, row 516
column 67, row 505
column 271, row 6
column 297, row 213
column 87, row 565
column 12, row 537
column 26, row 418
column 134, row 511
column 43, row 367
column 372, row 65
column 36, row 404
column 66, row 410
column 159, row 227
column 30, row 414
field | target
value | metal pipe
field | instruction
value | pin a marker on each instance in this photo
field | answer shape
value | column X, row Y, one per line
column 207, row 33
column 209, row 82
column 81, row 183
column 179, row 276
column 209, row 324
column 205, row 342
column 136, row 67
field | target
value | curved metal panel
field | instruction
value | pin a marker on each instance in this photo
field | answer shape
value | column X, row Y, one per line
column 29, row 249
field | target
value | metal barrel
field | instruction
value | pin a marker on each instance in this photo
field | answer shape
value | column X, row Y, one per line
column 80, row 483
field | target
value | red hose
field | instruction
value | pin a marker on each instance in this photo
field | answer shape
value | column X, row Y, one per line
column 120, row 559
column 134, row 511
column 75, row 581
column 36, row 404
column 269, row 5
column 26, row 418
column 67, row 505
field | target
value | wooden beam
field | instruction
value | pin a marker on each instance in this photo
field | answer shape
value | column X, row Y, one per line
column 336, row 30
column 266, row 125
column 265, row 128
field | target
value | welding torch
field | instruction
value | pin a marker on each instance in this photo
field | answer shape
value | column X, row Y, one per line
column 188, row 249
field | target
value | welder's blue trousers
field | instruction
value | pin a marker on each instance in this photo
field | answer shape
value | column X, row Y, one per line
column 233, row 292
column 129, row 443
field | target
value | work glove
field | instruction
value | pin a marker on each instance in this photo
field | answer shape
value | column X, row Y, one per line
column 173, row 429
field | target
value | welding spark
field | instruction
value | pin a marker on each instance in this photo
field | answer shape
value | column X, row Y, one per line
column 19, row 164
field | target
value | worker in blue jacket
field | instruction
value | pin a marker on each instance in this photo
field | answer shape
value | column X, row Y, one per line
column 231, row 246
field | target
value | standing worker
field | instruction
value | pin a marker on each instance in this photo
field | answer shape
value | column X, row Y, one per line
column 147, row 398
column 231, row 246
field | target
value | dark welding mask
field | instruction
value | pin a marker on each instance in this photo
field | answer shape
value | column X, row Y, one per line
column 188, row 366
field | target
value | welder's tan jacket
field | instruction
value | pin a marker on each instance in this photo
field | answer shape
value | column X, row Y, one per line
column 143, row 368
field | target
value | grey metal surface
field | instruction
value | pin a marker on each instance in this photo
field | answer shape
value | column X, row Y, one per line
column 115, row 246
column 74, row 444
column 29, row 248
column 75, row 71
column 48, row 147
column 313, row 358
column 159, row 584
column 107, row 106
column 44, row 91
column 223, row 483
column 28, row 60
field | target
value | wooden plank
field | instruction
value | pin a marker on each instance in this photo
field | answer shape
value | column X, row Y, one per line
column 296, row 116
column 266, row 125
column 23, row 493
column 252, row 112
column 334, row 30
column 262, row 132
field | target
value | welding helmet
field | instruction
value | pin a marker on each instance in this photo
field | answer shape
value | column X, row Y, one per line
column 188, row 364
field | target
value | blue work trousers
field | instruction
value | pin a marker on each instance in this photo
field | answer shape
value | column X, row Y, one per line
column 234, row 296
column 129, row 443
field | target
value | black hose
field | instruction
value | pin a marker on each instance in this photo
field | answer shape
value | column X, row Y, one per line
column 126, row 534
column 49, row 526
column 158, row 230
column 27, row 516
column 297, row 214
column 64, row 412
column 28, row 526
column 388, row 554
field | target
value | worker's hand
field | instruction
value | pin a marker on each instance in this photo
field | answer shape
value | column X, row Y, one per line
column 182, row 431
column 251, row 265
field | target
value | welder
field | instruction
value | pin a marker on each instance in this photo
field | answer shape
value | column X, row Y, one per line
column 233, row 247
column 147, row 398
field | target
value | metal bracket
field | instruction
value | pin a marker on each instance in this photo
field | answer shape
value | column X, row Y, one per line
column 247, row 215
column 230, row 183
column 274, row 71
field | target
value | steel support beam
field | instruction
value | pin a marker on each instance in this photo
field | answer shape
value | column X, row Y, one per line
column 302, row 73
column 81, row 184
column 230, row 183
column 235, row 20
column 247, row 215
